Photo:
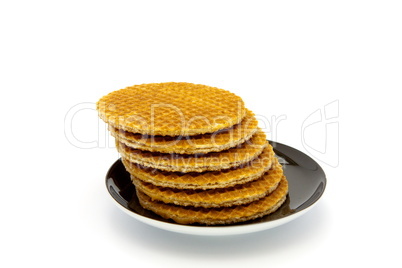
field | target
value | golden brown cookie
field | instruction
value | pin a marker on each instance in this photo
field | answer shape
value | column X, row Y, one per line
column 221, row 197
column 204, row 180
column 222, row 215
column 205, row 143
column 232, row 157
column 171, row 109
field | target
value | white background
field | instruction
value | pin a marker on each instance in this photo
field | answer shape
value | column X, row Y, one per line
column 286, row 59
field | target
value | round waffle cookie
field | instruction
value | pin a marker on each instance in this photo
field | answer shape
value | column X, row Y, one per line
column 221, row 215
column 232, row 157
column 171, row 109
column 210, row 142
column 204, row 180
column 221, row 197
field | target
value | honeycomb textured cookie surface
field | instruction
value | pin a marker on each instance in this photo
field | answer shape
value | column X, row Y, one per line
column 209, row 142
column 204, row 180
column 232, row 157
column 221, row 197
column 172, row 109
column 221, row 215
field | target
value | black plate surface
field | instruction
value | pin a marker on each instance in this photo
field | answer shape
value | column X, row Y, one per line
column 306, row 178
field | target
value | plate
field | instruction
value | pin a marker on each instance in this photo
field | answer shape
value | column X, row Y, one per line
column 306, row 179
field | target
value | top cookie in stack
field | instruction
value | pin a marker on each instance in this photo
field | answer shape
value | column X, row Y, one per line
column 171, row 109
column 194, row 152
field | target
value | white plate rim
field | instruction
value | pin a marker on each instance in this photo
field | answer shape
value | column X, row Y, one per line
column 229, row 229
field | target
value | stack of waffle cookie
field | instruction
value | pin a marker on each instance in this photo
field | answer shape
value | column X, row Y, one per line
column 194, row 152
